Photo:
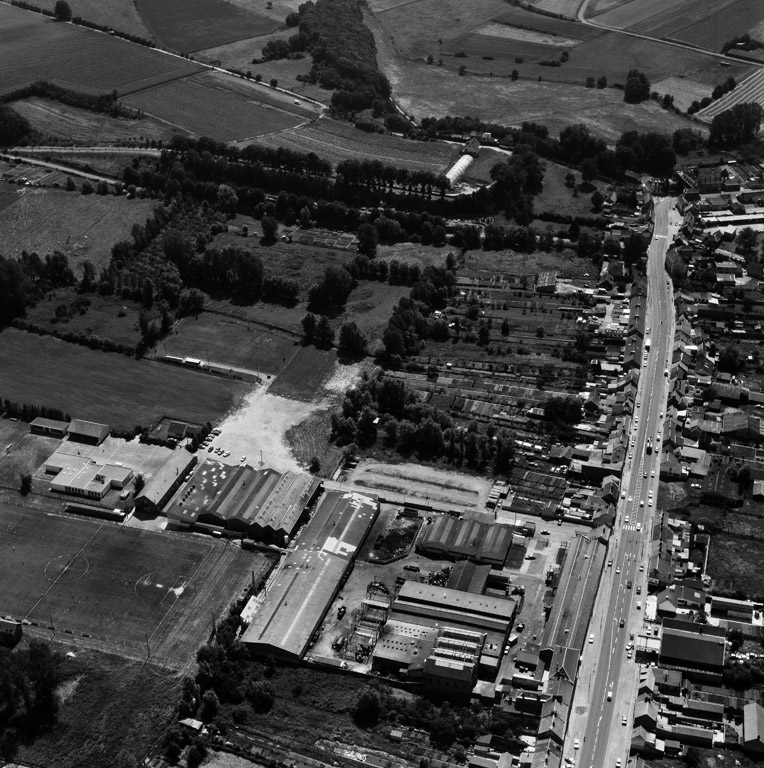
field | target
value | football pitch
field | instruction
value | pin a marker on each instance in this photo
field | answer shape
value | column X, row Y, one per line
column 116, row 588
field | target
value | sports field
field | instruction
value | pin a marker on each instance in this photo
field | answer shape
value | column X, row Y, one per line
column 35, row 47
column 231, row 342
column 115, row 587
column 109, row 388
column 190, row 25
column 226, row 116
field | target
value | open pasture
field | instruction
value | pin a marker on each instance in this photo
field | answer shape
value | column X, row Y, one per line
column 684, row 90
column 564, row 28
column 82, row 227
column 751, row 89
column 228, row 341
column 186, row 27
column 337, row 141
column 225, row 116
column 85, row 60
column 109, row 388
column 80, row 126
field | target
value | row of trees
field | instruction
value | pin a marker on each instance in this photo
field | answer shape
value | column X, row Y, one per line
column 737, row 125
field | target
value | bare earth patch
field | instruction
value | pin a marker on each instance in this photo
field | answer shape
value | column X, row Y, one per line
column 508, row 32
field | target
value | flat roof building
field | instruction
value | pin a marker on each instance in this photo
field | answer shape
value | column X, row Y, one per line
column 91, row 481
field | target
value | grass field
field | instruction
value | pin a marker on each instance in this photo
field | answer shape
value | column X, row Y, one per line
column 225, row 117
column 108, row 705
column 186, row 27
column 121, row 15
column 107, row 582
column 79, row 126
column 84, row 60
column 232, row 342
column 109, row 388
column 337, row 141
column 557, row 197
column 304, row 374
column 684, row 90
column 80, row 226
column 735, row 562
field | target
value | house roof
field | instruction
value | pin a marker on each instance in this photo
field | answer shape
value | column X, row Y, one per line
column 88, row 429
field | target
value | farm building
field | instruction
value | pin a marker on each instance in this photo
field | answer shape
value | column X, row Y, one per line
column 49, row 427
column 160, row 488
column 10, row 632
column 261, row 504
column 91, row 480
column 458, row 169
column 478, row 542
column 310, row 576
column 88, row 432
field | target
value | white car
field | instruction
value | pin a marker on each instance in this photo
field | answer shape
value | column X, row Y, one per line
column 642, row 503
column 649, row 502
column 576, row 744
column 652, row 474
column 618, row 570
column 591, row 639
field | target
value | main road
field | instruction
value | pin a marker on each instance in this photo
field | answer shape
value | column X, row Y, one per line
column 607, row 682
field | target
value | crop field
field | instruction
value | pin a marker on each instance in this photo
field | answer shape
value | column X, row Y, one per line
column 566, row 8
column 82, row 227
column 304, row 374
column 117, row 587
column 225, row 117
column 109, row 388
column 186, row 27
column 121, row 15
column 80, row 126
column 706, row 24
column 229, row 341
column 338, row 141
column 85, row 60
column 751, row 89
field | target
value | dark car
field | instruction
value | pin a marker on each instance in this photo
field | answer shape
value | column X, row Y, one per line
column 414, row 568
column 341, row 612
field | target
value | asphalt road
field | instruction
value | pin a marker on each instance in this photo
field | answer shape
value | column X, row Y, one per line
column 603, row 740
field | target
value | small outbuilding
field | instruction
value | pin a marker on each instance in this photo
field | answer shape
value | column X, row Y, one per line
column 89, row 432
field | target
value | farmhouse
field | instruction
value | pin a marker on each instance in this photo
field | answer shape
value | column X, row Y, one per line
column 310, row 576
column 49, row 427
column 88, row 432
column 158, row 491
column 263, row 504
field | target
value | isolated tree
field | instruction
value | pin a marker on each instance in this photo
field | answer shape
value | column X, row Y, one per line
column 367, row 240
column 637, row 87
column 270, row 228
column 597, row 200
column 588, row 170
column 602, row 82
column 210, row 706
column 140, row 483
column 26, row 484
column 747, row 238
column 70, row 185
column 62, row 11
